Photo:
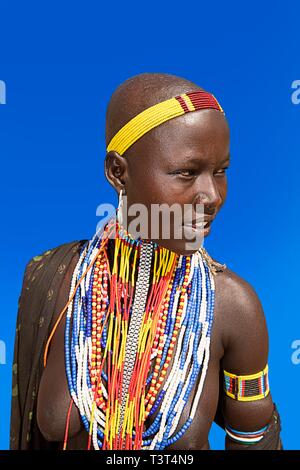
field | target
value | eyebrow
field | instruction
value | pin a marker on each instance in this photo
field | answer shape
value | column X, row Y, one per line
column 196, row 160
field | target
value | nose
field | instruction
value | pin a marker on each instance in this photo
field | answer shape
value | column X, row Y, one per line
column 208, row 194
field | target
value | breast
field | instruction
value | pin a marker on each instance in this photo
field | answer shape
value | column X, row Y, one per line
column 53, row 398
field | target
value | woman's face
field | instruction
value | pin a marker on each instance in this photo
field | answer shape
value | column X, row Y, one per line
column 182, row 161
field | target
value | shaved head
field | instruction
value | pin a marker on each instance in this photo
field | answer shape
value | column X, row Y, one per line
column 182, row 160
column 139, row 93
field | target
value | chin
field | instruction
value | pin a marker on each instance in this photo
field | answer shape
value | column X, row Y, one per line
column 181, row 247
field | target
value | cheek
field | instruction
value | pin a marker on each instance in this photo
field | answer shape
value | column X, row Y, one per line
column 148, row 188
column 222, row 187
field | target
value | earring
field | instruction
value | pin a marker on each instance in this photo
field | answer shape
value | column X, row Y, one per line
column 120, row 208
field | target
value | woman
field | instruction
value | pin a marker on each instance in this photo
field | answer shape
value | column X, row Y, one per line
column 141, row 341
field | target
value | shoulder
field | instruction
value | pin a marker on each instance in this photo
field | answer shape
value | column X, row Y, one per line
column 239, row 317
column 43, row 266
column 244, row 328
column 234, row 292
column 43, row 276
column 53, row 254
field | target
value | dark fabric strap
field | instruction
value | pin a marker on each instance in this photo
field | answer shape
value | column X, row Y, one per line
column 43, row 277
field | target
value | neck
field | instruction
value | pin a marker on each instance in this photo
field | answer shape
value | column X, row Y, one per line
column 121, row 233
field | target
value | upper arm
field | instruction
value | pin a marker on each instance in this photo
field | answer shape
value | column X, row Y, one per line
column 245, row 353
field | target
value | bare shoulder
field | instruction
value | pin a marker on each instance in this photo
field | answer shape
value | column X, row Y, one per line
column 244, row 328
column 237, row 294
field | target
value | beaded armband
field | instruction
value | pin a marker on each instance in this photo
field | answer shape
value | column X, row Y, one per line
column 266, row 438
column 247, row 387
column 246, row 437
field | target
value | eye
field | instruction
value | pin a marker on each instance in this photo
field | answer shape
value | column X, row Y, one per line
column 184, row 173
column 222, row 171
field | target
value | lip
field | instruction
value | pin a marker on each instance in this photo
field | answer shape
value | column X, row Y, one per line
column 200, row 223
column 200, row 226
column 190, row 232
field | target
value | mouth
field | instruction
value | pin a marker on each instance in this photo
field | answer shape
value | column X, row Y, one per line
column 200, row 225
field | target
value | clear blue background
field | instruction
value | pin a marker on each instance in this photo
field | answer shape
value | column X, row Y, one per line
column 61, row 61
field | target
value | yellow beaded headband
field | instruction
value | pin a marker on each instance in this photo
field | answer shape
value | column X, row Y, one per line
column 159, row 113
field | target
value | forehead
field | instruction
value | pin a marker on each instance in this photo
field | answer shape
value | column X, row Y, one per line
column 203, row 134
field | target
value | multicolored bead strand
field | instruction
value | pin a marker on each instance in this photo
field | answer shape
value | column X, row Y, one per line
column 130, row 317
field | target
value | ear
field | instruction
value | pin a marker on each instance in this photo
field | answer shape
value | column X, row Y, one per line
column 115, row 168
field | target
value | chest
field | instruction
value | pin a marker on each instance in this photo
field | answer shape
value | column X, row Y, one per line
column 54, row 396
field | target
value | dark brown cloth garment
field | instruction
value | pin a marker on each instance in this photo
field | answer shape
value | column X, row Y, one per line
column 44, row 278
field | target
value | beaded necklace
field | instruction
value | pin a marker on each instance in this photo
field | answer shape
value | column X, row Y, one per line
column 127, row 318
